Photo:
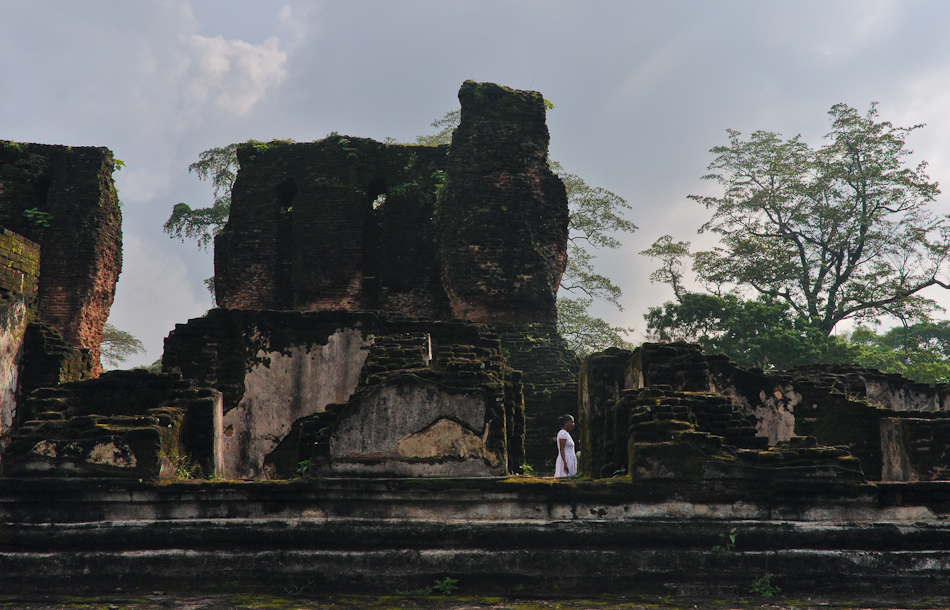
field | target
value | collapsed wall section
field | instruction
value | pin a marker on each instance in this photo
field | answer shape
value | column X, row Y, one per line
column 63, row 198
column 122, row 424
column 645, row 411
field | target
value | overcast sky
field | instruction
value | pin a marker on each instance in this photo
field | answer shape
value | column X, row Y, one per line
column 642, row 90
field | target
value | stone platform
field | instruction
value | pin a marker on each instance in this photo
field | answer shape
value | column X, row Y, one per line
column 495, row 535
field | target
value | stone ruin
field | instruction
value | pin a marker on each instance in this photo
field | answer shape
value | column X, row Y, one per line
column 373, row 299
column 387, row 317
column 388, row 310
column 668, row 411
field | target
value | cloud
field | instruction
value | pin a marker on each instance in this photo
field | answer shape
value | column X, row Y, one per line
column 153, row 295
column 233, row 75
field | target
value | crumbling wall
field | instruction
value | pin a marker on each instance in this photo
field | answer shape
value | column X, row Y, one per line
column 915, row 446
column 127, row 424
column 660, row 412
column 476, row 230
column 895, row 428
column 283, row 386
column 13, row 320
column 290, row 379
column 601, row 381
column 889, row 390
column 505, row 214
column 19, row 275
column 63, row 198
column 342, row 223
column 550, row 386
column 409, row 426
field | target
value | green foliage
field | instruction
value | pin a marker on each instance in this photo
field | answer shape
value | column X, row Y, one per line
column 763, row 586
column 118, row 346
column 584, row 333
column 764, row 333
column 918, row 351
column 37, row 218
column 220, row 165
column 446, row 126
column 671, row 255
column 445, row 586
column 767, row 333
column 185, row 468
column 303, row 468
column 596, row 215
column 839, row 232
column 727, row 541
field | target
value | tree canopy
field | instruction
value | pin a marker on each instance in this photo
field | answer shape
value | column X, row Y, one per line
column 117, row 346
column 809, row 238
column 839, row 232
column 220, row 165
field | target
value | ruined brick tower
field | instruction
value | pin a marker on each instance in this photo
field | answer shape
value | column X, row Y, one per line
column 504, row 229
column 476, row 230
column 63, row 198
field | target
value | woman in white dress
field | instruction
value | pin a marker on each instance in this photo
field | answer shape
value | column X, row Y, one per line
column 566, row 465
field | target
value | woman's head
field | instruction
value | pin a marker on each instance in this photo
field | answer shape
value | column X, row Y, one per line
column 567, row 421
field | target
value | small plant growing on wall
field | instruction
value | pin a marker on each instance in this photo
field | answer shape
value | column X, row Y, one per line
column 37, row 218
column 763, row 586
column 727, row 541
column 446, row 585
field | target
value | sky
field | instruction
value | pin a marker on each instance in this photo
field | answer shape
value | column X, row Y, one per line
column 641, row 91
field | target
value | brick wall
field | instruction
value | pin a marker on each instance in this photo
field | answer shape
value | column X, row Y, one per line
column 19, row 264
column 78, row 230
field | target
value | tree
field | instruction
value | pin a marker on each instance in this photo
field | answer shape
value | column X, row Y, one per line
column 446, row 126
column 764, row 333
column 118, row 346
column 917, row 351
column 837, row 233
column 202, row 224
column 595, row 215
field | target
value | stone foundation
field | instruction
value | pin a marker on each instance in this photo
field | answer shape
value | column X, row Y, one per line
column 496, row 537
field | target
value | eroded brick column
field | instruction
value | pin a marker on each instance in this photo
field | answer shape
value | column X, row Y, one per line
column 505, row 214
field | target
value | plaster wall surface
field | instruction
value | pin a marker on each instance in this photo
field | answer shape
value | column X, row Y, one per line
column 775, row 415
column 13, row 321
column 902, row 397
column 283, row 387
column 412, row 426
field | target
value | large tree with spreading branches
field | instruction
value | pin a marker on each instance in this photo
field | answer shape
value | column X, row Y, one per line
column 841, row 232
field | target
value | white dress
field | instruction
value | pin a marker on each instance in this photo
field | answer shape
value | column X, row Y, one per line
column 559, row 467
